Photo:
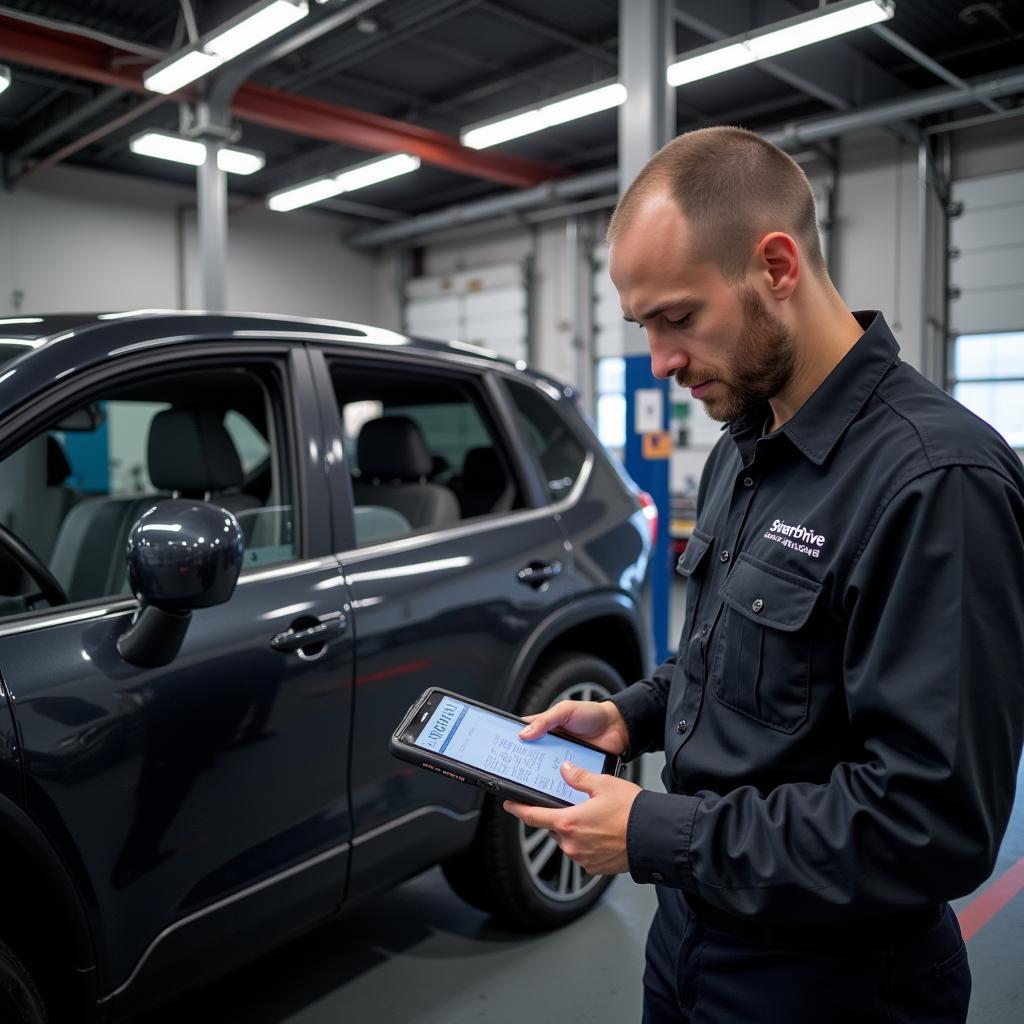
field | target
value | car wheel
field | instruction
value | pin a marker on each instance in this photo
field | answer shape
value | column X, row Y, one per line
column 516, row 873
column 20, row 1001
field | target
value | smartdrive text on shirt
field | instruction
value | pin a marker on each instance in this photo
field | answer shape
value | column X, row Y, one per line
column 800, row 538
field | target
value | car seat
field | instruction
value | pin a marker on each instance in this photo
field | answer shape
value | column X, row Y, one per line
column 394, row 467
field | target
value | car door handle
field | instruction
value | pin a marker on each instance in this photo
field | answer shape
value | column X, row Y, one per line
column 536, row 574
column 328, row 628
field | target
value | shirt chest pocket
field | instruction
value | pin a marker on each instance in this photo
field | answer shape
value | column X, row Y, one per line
column 762, row 663
column 693, row 567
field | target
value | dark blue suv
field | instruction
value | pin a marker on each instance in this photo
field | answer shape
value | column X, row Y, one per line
column 233, row 550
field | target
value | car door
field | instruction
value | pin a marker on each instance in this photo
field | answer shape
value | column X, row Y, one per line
column 205, row 803
column 445, row 602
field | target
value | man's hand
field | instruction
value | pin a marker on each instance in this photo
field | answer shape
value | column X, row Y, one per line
column 592, row 833
column 597, row 722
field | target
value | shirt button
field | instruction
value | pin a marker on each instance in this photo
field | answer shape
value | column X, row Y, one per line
column 657, row 876
column 724, row 556
column 681, row 727
column 757, row 605
column 748, row 481
column 704, row 629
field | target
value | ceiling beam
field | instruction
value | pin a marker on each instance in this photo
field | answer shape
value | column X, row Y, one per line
column 542, row 28
column 327, row 60
column 95, row 61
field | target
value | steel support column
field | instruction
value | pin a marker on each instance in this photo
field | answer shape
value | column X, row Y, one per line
column 212, row 194
column 646, row 123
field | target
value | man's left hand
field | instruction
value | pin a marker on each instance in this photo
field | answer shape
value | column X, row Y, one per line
column 592, row 833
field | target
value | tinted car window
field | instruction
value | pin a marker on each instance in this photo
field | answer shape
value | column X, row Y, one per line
column 423, row 451
column 561, row 455
column 73, row 491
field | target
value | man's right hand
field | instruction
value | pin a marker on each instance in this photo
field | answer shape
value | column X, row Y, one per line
column 597, row 722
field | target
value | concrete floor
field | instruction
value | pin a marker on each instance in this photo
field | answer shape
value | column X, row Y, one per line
column 418, row 955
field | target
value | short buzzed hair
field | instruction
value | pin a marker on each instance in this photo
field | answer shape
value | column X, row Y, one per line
column 733, row 187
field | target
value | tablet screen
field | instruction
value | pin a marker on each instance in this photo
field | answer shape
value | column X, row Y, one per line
column 490, row 742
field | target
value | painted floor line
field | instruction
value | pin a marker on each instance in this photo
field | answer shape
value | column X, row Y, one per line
column 985, row 906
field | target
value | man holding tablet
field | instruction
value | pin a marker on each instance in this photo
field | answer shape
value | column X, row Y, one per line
column 842, row 719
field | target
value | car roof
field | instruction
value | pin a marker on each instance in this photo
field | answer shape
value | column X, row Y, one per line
column 37, row 349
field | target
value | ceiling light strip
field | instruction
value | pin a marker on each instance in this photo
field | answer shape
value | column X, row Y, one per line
column 329, row 185
column 254, row 25
column 782, row 37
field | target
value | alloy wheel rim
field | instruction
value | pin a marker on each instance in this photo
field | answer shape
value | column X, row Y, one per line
column 552, row 873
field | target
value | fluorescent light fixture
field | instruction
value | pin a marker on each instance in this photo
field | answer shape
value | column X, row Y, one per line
column 253, row 26
column 167, row 146
column 585, row 103
column 360, row 176
column 376, row 171
column 240, row 161
column 179, row 69
column 302, row 195
column 782, row 37
column 257, row 23
column 713, row 62
column 559, row 111
column 5, row 77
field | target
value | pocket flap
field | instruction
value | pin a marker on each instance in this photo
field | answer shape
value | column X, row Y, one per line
column 770, row 596
column 696, row 548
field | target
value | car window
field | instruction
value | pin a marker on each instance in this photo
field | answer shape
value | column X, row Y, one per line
column 423, row 452
column 72, row 493
column 561, row 455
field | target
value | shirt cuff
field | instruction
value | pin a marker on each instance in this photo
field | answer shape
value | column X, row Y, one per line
column 644, row 716
column 658, row 838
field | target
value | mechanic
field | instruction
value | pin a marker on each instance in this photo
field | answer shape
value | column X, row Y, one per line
column 842, row 719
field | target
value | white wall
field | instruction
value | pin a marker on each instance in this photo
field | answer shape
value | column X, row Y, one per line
column 878, row 256
column 74, row 240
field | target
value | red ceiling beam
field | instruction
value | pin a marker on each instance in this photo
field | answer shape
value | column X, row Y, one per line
column 330, row 122
column 81, row 57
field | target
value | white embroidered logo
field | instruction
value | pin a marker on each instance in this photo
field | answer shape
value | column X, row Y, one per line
column 800, row 538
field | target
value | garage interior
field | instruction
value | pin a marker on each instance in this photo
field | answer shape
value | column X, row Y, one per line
column 377, row 181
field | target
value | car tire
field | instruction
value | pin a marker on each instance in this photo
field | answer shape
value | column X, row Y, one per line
column 516, row 873
column 20, row 1001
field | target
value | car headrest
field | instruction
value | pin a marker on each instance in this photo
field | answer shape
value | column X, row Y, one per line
column 482, row 470
column 58, row 469
column 392, row 448
column 190, row 450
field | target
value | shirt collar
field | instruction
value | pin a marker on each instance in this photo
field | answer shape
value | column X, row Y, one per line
column 822, row 420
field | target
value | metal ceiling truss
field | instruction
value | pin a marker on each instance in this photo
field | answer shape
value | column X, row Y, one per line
column 791, row 136
column 843, row 84
column 541, row 28
column 82, row 57
column 361, row 48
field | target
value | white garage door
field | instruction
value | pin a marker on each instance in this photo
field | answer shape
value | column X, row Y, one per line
column 986, row 309
column 986, row 269
column 489, row 306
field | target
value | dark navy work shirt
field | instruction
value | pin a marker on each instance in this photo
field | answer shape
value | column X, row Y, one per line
column 842, row 722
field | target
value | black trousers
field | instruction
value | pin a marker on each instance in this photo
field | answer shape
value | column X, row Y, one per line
column 696, row 974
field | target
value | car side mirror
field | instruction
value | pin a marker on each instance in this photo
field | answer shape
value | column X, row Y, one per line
column 182, row 555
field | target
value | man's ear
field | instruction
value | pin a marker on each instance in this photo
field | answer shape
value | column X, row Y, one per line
column 779, row 262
